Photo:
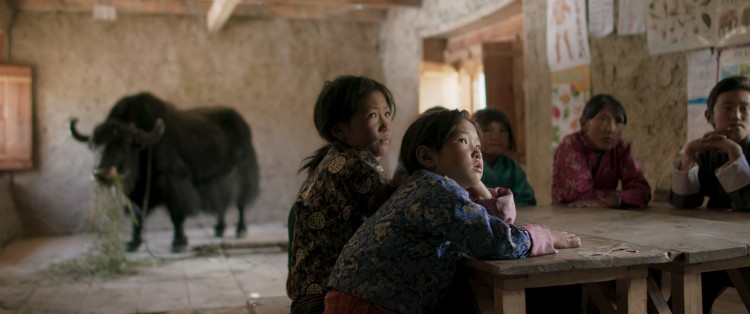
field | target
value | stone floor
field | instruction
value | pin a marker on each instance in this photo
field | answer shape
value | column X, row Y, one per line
column 248, row 278
column 242, row 280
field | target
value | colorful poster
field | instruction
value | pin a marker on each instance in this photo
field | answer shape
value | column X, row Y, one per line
column 601, row 18
column 631, row 18
column 678, row 25
column 702, row 67
column 571, row 89
column 567, row 35
column 734, row 61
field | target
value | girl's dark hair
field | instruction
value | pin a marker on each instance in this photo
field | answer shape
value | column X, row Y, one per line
column 728, row 84
column 431, row 130
column 490, row 114
column 337, row 102
column 597, row 103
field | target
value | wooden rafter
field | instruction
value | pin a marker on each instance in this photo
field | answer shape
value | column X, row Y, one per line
column 355, row 10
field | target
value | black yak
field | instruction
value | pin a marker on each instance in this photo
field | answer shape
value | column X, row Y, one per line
column 187, row 160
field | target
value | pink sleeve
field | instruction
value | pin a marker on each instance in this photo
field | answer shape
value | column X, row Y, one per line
column 571, row 176
column 541, row 239
column 636, row 192
column 501, row 205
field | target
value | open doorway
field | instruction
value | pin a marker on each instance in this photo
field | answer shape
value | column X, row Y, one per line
column 476, row 66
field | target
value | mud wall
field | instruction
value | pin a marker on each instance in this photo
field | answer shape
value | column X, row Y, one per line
column 269, row 70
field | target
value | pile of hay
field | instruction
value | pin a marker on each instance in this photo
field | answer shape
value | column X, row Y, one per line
column 106, row 255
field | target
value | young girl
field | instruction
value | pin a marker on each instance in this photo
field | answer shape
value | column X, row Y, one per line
column 499, row 169
column 589, row 163
column 404, row 257
column 345, row 183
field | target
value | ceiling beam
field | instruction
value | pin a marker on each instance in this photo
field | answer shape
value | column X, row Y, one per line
column 219, row 13
column 354, row 10
column 325, row 12
column 357, row 3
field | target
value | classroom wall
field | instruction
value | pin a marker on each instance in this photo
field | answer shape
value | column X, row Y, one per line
column 270, row 70
column 652, row 89
column 401, row 38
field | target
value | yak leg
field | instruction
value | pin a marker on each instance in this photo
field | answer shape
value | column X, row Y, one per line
column 136, row 235
column 182, row 200
column 220, row 225
column 241, row 228
column 179, row 240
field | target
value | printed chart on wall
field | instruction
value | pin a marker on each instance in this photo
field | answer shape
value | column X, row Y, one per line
column 567, row 34
column 734, row 61
column 702, row 68
column 570, row 90
column 679, row 25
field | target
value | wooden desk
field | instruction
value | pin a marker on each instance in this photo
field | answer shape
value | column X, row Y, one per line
column 683, row 271
column 683, row 245
column 598, row 259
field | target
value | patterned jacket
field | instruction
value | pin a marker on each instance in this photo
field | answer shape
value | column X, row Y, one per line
column 405, row 256
column 334, row 200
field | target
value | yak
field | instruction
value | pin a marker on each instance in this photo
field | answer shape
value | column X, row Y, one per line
column 189, row 161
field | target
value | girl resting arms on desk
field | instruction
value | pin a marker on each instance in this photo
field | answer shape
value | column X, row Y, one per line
column 589, row 164
column 403, row 258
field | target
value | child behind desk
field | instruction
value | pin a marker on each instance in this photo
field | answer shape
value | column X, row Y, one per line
column 404, row 257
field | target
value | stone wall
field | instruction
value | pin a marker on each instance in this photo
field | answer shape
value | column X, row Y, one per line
column 269, row 70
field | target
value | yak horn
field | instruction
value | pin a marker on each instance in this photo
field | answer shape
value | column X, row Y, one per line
column 148, row 139
column 78, row 136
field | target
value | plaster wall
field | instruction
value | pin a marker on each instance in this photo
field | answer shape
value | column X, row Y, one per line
column 269, row 70
column 401, row 38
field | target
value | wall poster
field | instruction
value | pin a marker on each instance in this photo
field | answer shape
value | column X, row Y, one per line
column 567, row 34
column 571, row 89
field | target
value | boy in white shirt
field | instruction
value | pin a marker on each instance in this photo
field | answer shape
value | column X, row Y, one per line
column 716, row 166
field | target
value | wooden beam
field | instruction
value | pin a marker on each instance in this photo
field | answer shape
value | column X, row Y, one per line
column 367, row 11
column 357, row 3
column 325, row 12
column 219, row 13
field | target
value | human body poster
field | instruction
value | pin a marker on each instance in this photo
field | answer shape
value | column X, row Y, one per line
column 571, row 89
column 567, row 34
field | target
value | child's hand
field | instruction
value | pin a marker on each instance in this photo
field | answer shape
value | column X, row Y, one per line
column 478, row 191
column 718, row 140
column 564, row 239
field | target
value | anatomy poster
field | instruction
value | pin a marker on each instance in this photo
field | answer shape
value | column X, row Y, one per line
column 571, row 89
column 702, row 67
column 631, row 18
column 567, row 34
